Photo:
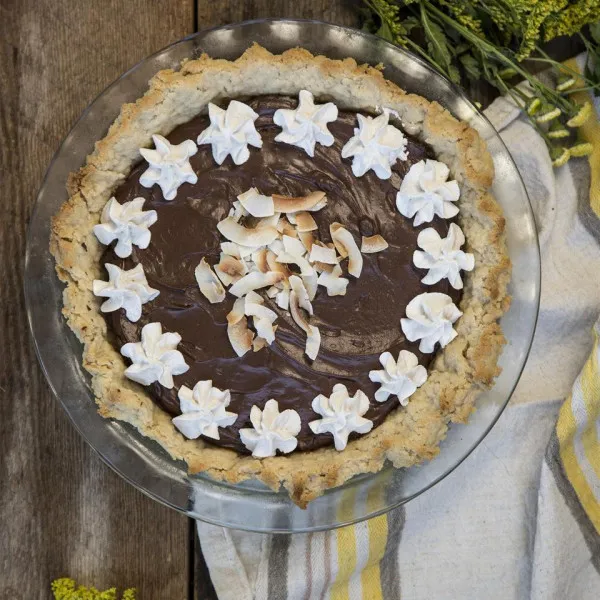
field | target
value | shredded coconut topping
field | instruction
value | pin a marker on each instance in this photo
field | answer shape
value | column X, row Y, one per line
column 271, row 244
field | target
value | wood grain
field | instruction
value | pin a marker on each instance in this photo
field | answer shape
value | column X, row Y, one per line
column 62, row 511
column 342, row 12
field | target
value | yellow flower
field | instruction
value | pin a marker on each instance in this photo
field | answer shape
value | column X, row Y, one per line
column 564, row 83
column 66, row 589
column 556, row 134
column 547, row 113
column 581, row 116
column 507, row 73
column 581, row 149
column 571, row 18
column 534, row 106
column 560, row 156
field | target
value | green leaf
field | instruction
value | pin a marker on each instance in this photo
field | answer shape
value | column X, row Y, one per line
column 454, row 74
column 410, row 23
column 385, row 32
column 437, row 43
column 471, row 66
column 595, row 32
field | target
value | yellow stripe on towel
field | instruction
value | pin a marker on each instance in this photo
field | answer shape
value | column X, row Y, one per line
column 347, row 550
column 378, row 533
column 584, row 398
column 346, row 547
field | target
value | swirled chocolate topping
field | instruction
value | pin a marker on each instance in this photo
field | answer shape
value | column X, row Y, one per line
column 355, row 328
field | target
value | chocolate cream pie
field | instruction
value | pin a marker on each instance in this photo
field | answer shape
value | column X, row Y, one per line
column 285, row 268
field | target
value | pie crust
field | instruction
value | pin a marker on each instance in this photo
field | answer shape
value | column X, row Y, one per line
column 459, row 372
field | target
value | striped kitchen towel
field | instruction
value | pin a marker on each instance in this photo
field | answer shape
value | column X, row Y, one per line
column 520, row 518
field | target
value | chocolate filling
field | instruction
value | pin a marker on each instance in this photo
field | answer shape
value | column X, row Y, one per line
column 355, row 328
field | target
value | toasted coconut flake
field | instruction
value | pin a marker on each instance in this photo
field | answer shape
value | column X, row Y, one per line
column 240, row 337
column 269, row 221
column 310, row 283
column 313, row 342
column 305, row 222
column 293, row 246
column 230, row 269
column 256, row 204
column 244, row 236
column 341, row 249
column 235, row 268
column 254, row 281
column 307, row 239
column 297, row 313
column 276, row 246
column 323, row 255
column 291, row 217
column 335, row 285
column 258, row 343
column 300, row 261
column 254, row 307
column 275, row 266
column 237, row 211
column 372, row 244
column 230, row 249
column 272, row 291
column 286, row 228
column 319, row 205
column 343, row 238
column 209, row 283
column 323, row 267
column 283, row 299
column 301, row 292
column 260, row 260
column 288, row 204
column 237, row 312
column 265, row 329
column 263, row 317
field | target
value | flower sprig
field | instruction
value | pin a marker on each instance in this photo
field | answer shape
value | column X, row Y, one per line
column 490, row 39
column 66, row 589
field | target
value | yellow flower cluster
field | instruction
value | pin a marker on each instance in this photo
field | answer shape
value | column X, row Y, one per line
column 66, row 589
column 571, row 18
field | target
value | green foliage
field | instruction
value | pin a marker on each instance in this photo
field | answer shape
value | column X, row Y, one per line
column 489, row 39
column 66, row 589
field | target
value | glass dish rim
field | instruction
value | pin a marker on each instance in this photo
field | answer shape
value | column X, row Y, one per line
column 27, row 283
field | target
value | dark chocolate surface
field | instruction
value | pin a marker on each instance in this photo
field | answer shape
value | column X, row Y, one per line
column 355, row 328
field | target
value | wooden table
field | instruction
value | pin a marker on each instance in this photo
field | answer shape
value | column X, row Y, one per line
column 62, row 511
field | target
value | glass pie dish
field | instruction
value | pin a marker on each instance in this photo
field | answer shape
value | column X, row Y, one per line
column 251, row 505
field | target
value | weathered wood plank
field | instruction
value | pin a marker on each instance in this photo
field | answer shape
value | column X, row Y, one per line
column 342, row 12
column 63, row 512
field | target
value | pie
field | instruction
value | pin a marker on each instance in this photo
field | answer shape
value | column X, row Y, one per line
column 285, row 268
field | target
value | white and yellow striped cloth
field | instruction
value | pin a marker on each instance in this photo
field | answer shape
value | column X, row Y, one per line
column 520, row 518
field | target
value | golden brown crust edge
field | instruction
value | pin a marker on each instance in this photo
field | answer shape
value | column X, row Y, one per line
column 460, row 371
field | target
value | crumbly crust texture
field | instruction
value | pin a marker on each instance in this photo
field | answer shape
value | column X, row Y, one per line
column 460, row 371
